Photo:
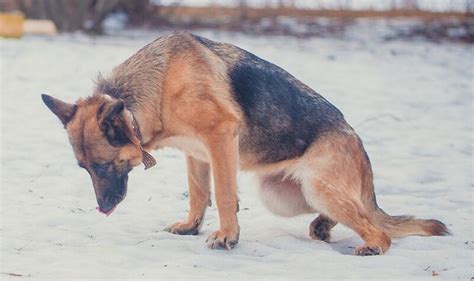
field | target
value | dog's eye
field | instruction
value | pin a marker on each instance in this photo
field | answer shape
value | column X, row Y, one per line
column 101, row 169
column 98, row 166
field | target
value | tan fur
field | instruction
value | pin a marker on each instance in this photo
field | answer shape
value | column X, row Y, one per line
column 191, row 146
column 336, row 180
column 330, row 176
column 197, row 113
column 189, row 106
column 93, row 146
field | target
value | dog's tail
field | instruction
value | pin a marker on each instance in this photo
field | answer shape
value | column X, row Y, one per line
column 400, row 226
column 394, row 226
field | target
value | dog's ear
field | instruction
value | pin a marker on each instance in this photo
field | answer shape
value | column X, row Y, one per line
column 114, row 124
column 117, row 125
column 63, row 110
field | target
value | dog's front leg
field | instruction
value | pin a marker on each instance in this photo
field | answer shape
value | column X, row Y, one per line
column 223, row 153
column 199, row 195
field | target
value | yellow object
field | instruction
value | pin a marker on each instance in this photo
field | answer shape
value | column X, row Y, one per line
column 11, row 25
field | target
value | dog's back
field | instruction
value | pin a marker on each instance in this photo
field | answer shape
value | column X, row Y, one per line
column 283, row 115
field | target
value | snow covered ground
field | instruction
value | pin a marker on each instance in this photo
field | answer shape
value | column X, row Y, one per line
column 411, row 102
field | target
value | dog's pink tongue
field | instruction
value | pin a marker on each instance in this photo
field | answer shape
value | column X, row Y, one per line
column 108, row 213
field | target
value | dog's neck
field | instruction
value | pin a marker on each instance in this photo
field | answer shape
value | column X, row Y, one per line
column 138, row 111
column 148, row 160
column 142, row 100
column 149, row 123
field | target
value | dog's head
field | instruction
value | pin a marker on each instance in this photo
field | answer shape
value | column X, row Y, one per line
column 101, row 132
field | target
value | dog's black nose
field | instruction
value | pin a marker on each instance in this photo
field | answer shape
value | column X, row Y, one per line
column 106, row 206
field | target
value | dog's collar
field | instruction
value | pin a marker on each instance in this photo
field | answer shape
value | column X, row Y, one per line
column 148, row 160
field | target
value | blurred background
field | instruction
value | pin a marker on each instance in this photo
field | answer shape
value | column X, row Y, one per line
column 429, row 19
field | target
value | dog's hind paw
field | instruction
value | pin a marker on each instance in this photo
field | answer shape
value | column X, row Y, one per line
column 185, row 228
column 222, row 240
column 320, row 228
column 366, row 250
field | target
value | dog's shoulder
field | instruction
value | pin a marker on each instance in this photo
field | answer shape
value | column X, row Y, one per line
column 282, row 116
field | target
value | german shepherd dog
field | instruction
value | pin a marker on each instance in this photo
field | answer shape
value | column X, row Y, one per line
column 227, row 109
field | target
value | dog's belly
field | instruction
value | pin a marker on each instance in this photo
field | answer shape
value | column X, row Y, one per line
column 188, row 145
column 283, row 196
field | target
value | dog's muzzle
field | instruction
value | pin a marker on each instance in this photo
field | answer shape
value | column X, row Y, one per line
column 107, row 206
column 113, row 195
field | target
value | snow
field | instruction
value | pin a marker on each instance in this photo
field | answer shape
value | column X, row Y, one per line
column 411, row 103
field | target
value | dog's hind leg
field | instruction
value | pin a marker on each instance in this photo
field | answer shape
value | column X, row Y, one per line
column 342, row 205
column 335, row 176
column 320, row 228
column 199, row 197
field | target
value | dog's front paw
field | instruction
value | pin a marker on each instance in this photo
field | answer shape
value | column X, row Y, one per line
column 185, row 228
column 221, row 239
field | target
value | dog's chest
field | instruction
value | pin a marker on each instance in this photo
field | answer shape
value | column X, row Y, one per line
column 190, row 146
